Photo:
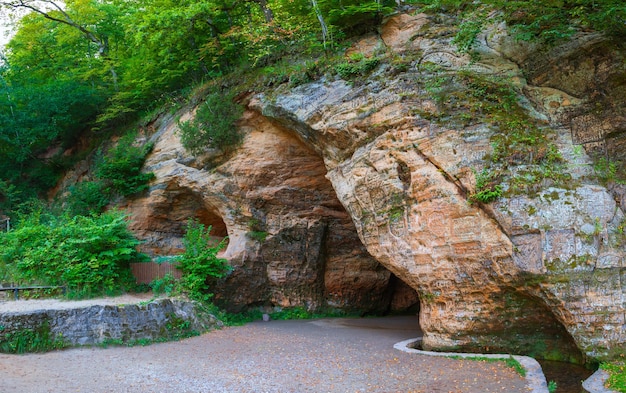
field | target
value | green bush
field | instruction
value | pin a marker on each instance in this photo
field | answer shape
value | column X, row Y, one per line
column 164, row 285
column 214, row 125
column 120, row 167
column 357, row 65
column 259, row 236
column 86, row 197
column 199, row 263
column 90, row 255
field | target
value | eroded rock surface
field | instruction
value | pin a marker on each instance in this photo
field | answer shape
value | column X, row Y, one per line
column 541, row 273
column 290, row 242
column 340, row 187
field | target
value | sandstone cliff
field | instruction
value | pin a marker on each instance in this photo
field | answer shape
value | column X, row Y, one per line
column 342, row 187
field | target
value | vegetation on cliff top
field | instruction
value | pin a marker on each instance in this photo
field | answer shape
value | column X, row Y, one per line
column 91, row 66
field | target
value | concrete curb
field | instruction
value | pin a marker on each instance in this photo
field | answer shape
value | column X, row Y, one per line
column 535, row 380
column 595, row 383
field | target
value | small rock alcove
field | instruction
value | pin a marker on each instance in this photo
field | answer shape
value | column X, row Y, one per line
column 161, row 223
column 162, row 219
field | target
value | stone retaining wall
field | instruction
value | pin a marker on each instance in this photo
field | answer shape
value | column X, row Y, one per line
column 162, row 318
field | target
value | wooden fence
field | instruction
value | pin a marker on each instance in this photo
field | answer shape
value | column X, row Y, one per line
column 146, row 272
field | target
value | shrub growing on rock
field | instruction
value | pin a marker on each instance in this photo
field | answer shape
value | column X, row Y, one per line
column 214, row 125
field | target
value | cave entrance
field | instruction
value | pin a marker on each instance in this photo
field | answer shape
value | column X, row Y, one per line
column 218, row 232
column 403, row 299
column 182, row 206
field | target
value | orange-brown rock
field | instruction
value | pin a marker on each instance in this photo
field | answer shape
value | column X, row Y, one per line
column 540, row 274
column 290, row 242
column 341, row 188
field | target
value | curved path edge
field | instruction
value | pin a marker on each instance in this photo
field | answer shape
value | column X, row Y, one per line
column 595, row 383
column 535, row 379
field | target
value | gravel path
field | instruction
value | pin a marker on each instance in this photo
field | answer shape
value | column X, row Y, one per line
column 327, row 355
column 62, row 304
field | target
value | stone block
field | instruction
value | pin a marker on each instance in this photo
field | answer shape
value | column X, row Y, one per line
column 527, row 253
column 559, row 244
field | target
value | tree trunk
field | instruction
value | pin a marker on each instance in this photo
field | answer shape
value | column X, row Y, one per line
column 320, row 18
column 267, row 12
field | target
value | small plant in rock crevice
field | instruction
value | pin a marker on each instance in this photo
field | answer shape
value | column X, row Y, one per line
column 609, row 171
column 487, row 187
column 257, row 230
column 523, row 155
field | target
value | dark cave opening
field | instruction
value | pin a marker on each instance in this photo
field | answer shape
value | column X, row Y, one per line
column 217, row 224
column 403, row 299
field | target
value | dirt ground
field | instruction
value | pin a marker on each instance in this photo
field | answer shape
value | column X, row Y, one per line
column 7, row 304
column 327, row 355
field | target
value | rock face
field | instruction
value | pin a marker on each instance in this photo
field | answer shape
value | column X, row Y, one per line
column 290, row 242
column 540, row 273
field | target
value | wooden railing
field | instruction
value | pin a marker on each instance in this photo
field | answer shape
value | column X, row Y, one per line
column 17, row 289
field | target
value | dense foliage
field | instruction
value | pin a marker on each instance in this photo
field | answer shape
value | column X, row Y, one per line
column 548, row 22
column 89, row 255
column 118, row 172
column 94, row 64
column 213, row 126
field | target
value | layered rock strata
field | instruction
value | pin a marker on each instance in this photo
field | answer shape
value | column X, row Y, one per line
column 341, row 185
column 540, row 273
column 290, row 242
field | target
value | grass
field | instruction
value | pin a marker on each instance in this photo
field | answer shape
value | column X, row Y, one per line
column 30, row 340
column 510, row 362
column 238, row 319
column 142, row 342
column 617, row 375
column 552, row 386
